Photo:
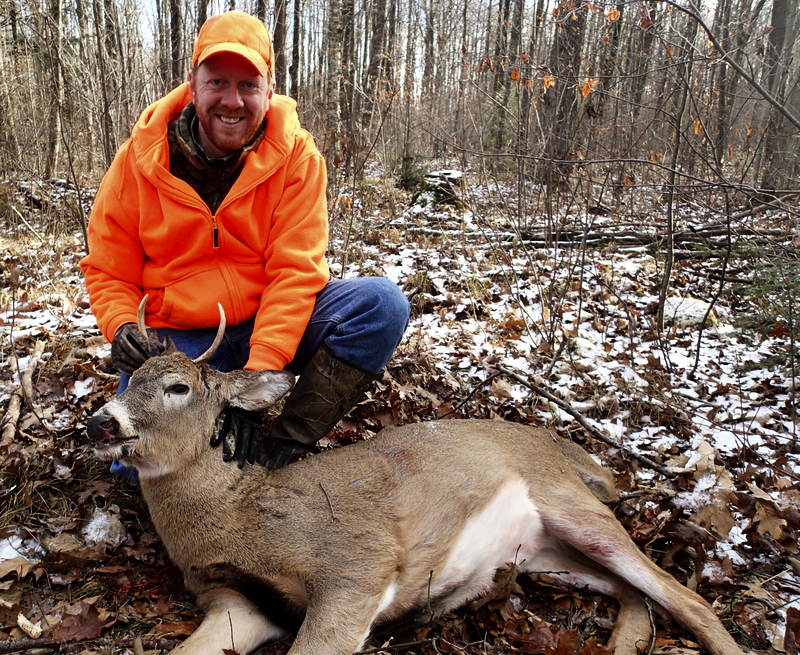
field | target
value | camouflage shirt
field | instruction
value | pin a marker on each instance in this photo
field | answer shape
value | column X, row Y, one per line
column 211, row 177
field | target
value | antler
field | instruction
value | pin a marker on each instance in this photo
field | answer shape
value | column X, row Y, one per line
column 211, row 349
column 217, row 340
column 140, row 317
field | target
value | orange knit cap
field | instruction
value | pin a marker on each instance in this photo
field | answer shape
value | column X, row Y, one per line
column 238, row 33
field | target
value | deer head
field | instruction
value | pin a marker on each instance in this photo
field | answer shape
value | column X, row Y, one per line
column 168, row 413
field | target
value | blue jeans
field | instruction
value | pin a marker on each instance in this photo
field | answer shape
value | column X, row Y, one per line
column 360, row 320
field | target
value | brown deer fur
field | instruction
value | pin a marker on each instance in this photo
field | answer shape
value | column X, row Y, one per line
column 418, row 518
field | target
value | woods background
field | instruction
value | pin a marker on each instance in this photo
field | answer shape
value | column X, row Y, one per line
column 622, row 94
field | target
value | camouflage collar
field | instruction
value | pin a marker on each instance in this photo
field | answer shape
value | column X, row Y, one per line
column 184, row 129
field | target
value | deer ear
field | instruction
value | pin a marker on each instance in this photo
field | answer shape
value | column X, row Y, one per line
column 256, row 390
column 169, row 346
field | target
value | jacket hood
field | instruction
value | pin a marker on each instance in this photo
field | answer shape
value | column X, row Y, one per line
column 149, row 135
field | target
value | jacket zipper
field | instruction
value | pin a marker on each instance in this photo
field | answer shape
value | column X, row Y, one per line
column 215, row 232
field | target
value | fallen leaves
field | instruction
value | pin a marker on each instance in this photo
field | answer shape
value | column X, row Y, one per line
column 727, row 524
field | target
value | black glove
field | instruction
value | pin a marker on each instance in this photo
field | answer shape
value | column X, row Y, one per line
column 240, row 435
column 277, row 453
column 129, row 348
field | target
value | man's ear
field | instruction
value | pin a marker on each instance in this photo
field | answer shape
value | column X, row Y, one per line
column 191, row 81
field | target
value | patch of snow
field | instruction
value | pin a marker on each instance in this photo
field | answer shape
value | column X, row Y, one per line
column 15, row 546
column 104, row 528
column 700, row 496
column 82, row 388
column 684, row 312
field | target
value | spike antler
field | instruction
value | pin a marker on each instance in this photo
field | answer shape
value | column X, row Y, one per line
column 140, row 317
column 211, row 349
column 217, row 340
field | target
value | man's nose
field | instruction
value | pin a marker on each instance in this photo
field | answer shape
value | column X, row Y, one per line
column 232, row 98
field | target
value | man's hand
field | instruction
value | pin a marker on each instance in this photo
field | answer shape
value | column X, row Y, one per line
column 130, row 349
column 240, row 435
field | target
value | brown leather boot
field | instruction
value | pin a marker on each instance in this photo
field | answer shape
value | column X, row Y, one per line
column 326, row 389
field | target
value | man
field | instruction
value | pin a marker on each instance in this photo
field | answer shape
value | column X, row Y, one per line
column 219, row 196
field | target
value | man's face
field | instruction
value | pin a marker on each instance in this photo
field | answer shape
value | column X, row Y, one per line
column 231, row 99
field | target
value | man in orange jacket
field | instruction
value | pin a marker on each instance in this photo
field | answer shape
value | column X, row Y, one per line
column 219, row 196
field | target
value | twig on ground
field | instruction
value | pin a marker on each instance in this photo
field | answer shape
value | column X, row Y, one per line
column 652, row 627
column 23, row 392
column 391, row 647
column 586, row 425
column 469, row 395
column 623, row 497
column 585, row 632
column 30, row 227
column 25, row 645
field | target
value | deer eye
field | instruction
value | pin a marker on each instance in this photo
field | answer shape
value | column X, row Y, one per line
column 178, row 389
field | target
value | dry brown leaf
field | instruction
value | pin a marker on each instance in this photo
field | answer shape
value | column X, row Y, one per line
column 18, row 565
column 85, row 624
column 768, row 520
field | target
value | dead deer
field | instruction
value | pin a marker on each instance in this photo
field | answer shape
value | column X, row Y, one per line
column 416, row 519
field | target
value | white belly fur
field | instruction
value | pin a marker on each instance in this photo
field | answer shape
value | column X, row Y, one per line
column 508, row 530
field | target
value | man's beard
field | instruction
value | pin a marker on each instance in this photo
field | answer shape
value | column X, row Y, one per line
column 227, row 143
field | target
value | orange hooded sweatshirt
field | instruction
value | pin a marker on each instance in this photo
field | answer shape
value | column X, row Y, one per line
column 150, row 233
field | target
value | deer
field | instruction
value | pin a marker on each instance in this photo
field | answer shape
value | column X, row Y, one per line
column 417, row 520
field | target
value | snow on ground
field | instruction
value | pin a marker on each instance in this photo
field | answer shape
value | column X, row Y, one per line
column 579, row 323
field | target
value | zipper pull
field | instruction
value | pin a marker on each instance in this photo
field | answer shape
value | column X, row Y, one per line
column 215, row 236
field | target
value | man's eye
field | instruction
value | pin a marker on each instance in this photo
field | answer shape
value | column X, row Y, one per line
column 178, row 389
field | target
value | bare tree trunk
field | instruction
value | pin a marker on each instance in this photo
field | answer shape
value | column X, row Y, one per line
column 53, row 123
column 391, row 40
column 642, row 55
column 775, row 164
column 109, row 145
column 512, row 55
column 332, row 48
column 347, row 89
column 376, row 57
column 720, row 86
column 279, row 43
column 536, row 28
column 9, row 152
column 428, row 65
column 202, row 14
column 561, row 102
column 683, row 84
column 295, row 68
column 608, row 61
column 108, row 27
column 500, row 47
column 176, row 72
column 461, row 109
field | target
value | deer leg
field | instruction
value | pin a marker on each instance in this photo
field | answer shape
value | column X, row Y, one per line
column 632, row 632
column 231, row 622
column 594, row 531
column 338, row 622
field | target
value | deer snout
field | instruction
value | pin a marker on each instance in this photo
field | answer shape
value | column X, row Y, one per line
column 102, row 427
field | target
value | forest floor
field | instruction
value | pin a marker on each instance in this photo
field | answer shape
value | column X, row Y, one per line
column 501, row 311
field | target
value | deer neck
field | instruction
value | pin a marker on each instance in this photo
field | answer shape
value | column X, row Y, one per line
column 201, row 501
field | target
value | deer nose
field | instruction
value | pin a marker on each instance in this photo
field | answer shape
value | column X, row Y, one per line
column 102, row 426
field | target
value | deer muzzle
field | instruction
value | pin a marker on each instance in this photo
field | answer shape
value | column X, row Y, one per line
column 102, row 429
